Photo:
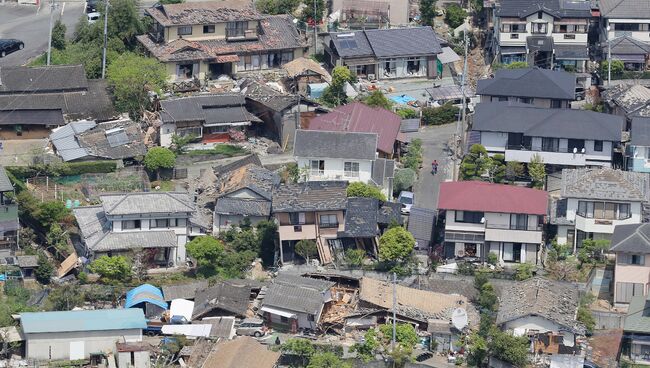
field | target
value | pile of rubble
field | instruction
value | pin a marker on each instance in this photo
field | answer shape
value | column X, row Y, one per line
column 261, row 146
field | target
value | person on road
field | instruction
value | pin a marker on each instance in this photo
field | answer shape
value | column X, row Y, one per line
column 434, row 167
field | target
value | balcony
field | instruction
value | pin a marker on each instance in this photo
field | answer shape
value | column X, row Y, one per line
column 558, row 157
column 592, row 225
column 236, row 34
column 468, row 237
column 514, row 234
column 297, row 232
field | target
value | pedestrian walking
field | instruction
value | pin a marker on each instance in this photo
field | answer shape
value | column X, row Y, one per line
column 434, row 167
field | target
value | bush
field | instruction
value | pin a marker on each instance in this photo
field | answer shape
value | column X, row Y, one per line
column 359, row 189
column 354, row 257
column 413, row 158
column 62, row 169
column 112, row 270
column 444, row 114
column 617, row 68
column 455, row 15
column 524, row 271
column 404, row 179
column 407, row 113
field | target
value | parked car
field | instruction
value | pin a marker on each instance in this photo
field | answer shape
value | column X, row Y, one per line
column 93, row 17
column 91, row 6
column 406, row 199
column 9, row 45
column 251, row 327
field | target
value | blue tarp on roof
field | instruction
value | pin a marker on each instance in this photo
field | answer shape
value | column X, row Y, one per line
column 145, row 293
column 316, row 90
column 91, row 320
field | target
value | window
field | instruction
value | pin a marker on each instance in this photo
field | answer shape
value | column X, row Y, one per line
column 630, row 259
column 328, row 221
column 556, row 104
column 185, row 70
column 284, row 319
column 317, row 167
column 569, row 37
column 390, row 67
column 578, row 144
column 511, row 252
column 540, row 15
column 130, row 224
column 184, row 30
column 287, row 56
column 470, row 250
column 297, row 218
column 514, row 36
column 604, row 210
column 526, row 100
column 208, row 28
column 471, row 217
column 550, row 144
column 162, row 223
column 598, row 146
column 236, row 29
column 413, row 65
column 539, row 28
column 518, row 222
column 311, row 318
column 351, row 169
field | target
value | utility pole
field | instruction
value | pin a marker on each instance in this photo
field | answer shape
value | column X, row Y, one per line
column 609, row 59
column 105, row 40
column 315, row 29
column 460, row 124
column 49, row 39
column 392, row 342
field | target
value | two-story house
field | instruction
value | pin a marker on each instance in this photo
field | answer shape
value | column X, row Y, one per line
column 9, row 225
column 343, row 156
column 561, row 137
column 312, row 210
column 595, row 200
column 367, row 14
column 625, row 32
column 638, row 149
column 550, row 34
column 213, row 38
column 631, row 246
column 482, row 218
column 159, row 223
column 534, row 86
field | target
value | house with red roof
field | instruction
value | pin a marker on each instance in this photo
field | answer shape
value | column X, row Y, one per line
column 483, row 218
column 361, row 118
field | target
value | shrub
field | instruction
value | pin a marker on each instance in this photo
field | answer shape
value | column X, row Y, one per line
column 439, row 115
column 455, row 15
column 407, row 113
column 404, row 179
column 359, row 189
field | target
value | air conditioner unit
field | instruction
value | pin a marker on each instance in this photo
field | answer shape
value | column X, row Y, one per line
column 371, row 77
column 460, row 253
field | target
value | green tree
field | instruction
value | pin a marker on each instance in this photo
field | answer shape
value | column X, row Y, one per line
column 327, row 360
column 334, row 95
column 478, row 350
column 396, row 244
column 455, row 16
column 407, row 113
column 44, row 269
column 413, row 158
column 512, row 349
column 277, row 6
column 524, row 271
column 427, row 12
column 58, row 35
column 359, row 189
column 405, row 334
column 537, row 171
column 488, row 299
column 48, row 213
column 404, row 179
column 308, row 14
column 475, row 163
column 477, row 6
column 243, row 240
column 301, row 348
column 267, row 234
column 378, row 99
column 64, row 298
column 306, row 248
column 233, row 265
column 444, row 114
column 208, row 252
column 180, row 142
column 593, row 251
column 366, row 350
column 159, row 158
column 618, row 67
column 514, row 171
column 497, row 168
column 123, row 21
column 132, row 77
column 57, row 240
column 517, row 65
column 112, row 270
column 584, row 315
column 354, row 257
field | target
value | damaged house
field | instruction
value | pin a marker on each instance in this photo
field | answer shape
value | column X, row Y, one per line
column 222, row 299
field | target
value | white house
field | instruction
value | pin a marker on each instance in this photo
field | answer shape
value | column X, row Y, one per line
column 561, row 137
column 482, row 217
column 595, row 200
column 161, row 222
column 625, row 28
column 340, row 156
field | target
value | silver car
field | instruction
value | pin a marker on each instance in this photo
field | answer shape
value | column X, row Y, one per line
column 251, row 327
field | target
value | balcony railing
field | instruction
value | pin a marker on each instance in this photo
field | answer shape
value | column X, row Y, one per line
column 464, row 236
column 513, row 227
column 241, row 34
column 521, row 147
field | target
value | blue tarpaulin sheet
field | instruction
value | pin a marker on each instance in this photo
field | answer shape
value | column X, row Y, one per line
column 403, row 99
column 145, row 294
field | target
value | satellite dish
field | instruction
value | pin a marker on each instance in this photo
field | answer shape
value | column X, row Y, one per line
column 459, row 318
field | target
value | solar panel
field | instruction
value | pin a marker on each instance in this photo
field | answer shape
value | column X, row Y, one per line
column 348, row 44
column 117, row 137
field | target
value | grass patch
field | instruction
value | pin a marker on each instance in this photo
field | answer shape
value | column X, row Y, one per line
column 165, row 185
column 222, row 149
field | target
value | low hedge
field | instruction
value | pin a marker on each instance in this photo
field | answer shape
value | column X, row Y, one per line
column 62, row 169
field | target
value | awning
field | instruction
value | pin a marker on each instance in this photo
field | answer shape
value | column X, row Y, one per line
column 278, row 312
column 512, row 50
column 563, row 52
column 448, row 56
column 537, row 43
column 629, row 58
column 241, row 123
column 227, row 59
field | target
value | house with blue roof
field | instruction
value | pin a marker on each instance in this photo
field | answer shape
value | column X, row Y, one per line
column 73, row 335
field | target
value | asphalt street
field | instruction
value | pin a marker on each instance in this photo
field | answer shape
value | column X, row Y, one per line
column 30, row 24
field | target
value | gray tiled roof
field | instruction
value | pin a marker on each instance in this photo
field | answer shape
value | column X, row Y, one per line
column 399, row 42
column 208, row 109
column 183, row 291
column 552, row 300
column 52, row 117
column 5, row 183
column 126, row 142
column 251, row 176
column 410, row 125
column 540, row 122
column 310, row 196
column 92, row 223
column 638, row 315
column 346, row 145
column 27, row 261
column 626, row 9
column 631, row 238
column 529, row 82
column 59, row 78
column 382, row 169
column 640, row 132
column 126, row 240
column 632, row 98
column 146, row 202
column 358, row 39
column 420, row 224
column 571, row 52
column 557, row 8
column 229, row 297
column 243, row 206
column 295, row 293
column 605, row 183
column 363, row 215
column 627, row 45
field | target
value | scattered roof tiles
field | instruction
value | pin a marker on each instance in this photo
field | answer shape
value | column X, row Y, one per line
column 297, row 293
column 310, row 196
column 211, row 109
column 361, row 118
column 250, row 176
column 205, row 12
column 42, row 79
column 243, row 206
column 631, row 238
column 242, row 352
column 345, row 145
column 27, row 261
column 632, row 98
column 605, row 183
column 529, row 82
column 183, row 291
column 146, row 202
column 302, row 66
column 364, row 215
column 225, row 296
column 267, row 96
column 489, row 197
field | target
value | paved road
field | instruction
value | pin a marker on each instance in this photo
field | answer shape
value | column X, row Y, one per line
column 30, row 24
column 434, row 143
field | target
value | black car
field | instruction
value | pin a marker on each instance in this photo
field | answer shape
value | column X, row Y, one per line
column 91, row 6
column 7, row 46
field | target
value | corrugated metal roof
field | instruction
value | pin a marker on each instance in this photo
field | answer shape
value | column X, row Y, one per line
column 92, row 320
column 65, row 140
column 145, row 293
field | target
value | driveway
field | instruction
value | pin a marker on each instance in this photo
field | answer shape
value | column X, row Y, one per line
column 434, row 143
column 30, row 24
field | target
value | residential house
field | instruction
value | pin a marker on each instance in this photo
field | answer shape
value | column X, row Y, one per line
column 243, row 352
column 205, row 40
column 208, row 118
column 550, row 34
column 421, row 223
column 561, row 137
column 636, row 331
column 9, row 224
column 627, row 100
column 365, row 220
column 483, row 218
column 293, row 302
column 343, row 156
column 385, row 53
column 545, row 311
column 595, row 200
column 27, row 265
column 625, row 26
column 244, row 193
column 133, row 355
column 535, row 86
column 222, row 299
column 183, row 291
column 367, row 14
column 303, row 71
column 158, row 222
column 638, row 149
column 87, row 140
column 74, row 335
column 312, row 210
column 361, row 118
column 35, row 100
column 631, row 246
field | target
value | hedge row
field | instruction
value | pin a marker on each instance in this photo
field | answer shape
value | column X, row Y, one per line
column 62, row 169
column 18, row 184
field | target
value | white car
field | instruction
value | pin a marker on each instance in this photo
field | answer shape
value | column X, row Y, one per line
column 93, row 17
column 406, row 199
